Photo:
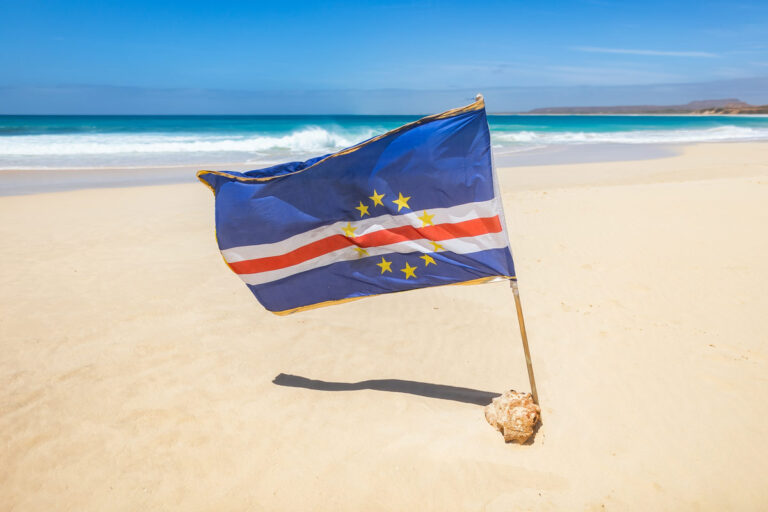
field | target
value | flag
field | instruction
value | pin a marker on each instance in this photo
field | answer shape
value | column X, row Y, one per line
column 415, row 207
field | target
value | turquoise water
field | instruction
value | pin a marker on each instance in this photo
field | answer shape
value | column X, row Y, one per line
column 49, row 142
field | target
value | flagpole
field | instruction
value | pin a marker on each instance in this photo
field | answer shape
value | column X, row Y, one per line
column 516, row 292
column 521, row 322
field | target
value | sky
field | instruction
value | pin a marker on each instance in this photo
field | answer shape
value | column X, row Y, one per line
column 194, row 56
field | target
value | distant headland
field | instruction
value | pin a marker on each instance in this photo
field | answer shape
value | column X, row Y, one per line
column 728, row 106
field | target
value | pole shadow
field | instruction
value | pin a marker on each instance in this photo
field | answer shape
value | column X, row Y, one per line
column 440, row 391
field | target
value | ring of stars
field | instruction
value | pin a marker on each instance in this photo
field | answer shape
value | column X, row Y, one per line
column 409, row 271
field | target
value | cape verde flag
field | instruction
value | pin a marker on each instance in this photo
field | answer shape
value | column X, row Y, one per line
column 417, row 206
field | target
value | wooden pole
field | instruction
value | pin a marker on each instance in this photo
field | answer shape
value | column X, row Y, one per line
column 513, row 285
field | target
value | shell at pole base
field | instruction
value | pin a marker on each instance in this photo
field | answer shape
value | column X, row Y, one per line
column 514, row 415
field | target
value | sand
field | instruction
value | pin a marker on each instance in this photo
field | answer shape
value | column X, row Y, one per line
column 137, row 371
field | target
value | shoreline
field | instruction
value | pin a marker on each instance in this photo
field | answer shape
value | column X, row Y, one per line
column 681, row 114
column 35, row 181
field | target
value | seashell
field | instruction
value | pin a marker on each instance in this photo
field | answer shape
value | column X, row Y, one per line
column 514, row 415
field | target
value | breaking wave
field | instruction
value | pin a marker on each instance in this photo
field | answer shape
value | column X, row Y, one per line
column 310, row 139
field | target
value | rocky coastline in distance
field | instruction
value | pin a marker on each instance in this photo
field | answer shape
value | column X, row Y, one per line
column 729, row 106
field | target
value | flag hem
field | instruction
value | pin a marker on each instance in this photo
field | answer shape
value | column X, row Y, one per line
column 323, row 304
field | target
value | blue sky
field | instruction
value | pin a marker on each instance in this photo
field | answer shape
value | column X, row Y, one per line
column 176, row 57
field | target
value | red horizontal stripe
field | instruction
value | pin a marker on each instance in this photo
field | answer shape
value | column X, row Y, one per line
column 303, row 253
column 437, row 233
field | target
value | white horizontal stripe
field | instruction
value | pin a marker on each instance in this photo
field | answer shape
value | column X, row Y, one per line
column 464, row 245
column 454, row 214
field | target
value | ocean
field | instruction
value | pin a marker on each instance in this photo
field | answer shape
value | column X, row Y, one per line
column 54, row 142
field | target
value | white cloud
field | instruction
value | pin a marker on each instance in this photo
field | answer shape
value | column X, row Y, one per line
column 655, row 53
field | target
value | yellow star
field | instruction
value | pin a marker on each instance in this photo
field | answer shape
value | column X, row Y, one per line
column 428, row 260
column 408, row 271
column 360, row 252
column 349, row 231
column 376, row 198
column 363, row 209
column 386, row 266
column 426, row 219
column 402, row 202
column 436, row 246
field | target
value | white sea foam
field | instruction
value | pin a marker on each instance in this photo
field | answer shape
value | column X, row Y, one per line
column 720, row 133
column 154, row 149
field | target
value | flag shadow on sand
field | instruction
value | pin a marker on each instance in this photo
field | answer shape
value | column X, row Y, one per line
column 440, row 391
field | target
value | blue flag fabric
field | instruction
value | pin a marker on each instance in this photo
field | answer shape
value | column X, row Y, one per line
column 415, row 207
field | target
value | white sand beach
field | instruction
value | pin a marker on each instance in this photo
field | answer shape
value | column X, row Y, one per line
column 137, row 371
